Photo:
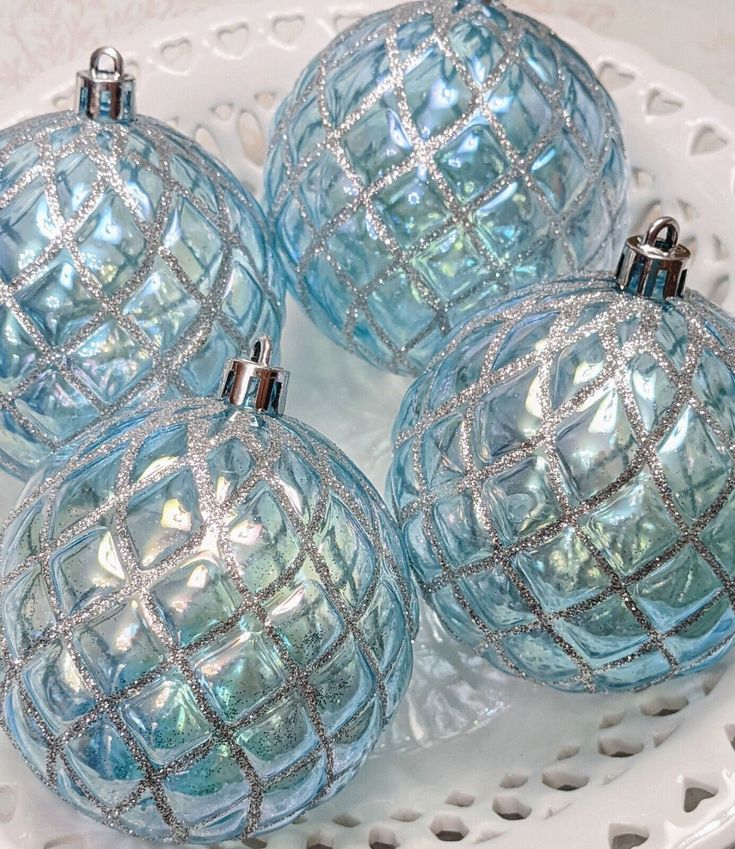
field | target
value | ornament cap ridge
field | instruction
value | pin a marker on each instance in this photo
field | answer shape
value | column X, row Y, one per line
column 654, row 265
column 255, row 383
column 106, row 93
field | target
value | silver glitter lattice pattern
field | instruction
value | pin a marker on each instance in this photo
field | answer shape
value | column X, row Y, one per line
column 564, row 478
column 206, row 623
column 132, row 266
column 432, row 158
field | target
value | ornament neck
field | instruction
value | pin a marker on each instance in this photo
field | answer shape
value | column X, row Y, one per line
column 255, row 384
column 106, row 93
column 654, row 265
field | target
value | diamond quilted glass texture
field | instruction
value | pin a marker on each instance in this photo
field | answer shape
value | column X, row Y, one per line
column 220, row 629
column 433, row 158
column 126, row 253
column 565, row 481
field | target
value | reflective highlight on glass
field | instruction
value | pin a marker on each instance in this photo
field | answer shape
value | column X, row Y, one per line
column 206, row 622
column 565, row 483
column 433, row 158
column 134, row 266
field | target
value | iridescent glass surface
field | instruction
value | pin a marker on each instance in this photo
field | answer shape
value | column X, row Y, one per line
column 432, row 158
column 133, row 266
column 565, row 482
column 206, row 622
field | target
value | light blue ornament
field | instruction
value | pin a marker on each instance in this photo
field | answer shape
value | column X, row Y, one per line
column 133, row 264
column 433, row 158
column 565, row 479
column 206, row 617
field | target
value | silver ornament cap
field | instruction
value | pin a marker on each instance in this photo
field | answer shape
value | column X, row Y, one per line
column 106, row 91
column 655, row 265
column 255, row 383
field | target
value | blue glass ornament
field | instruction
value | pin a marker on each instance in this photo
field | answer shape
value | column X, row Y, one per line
column 134, row 266
column 206, row 617
column 565, row 479
column 433, row 158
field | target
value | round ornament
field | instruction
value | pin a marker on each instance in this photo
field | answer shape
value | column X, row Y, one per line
column 432, row 158
column 134, row 266
column 206, row 617
column 565, row 479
